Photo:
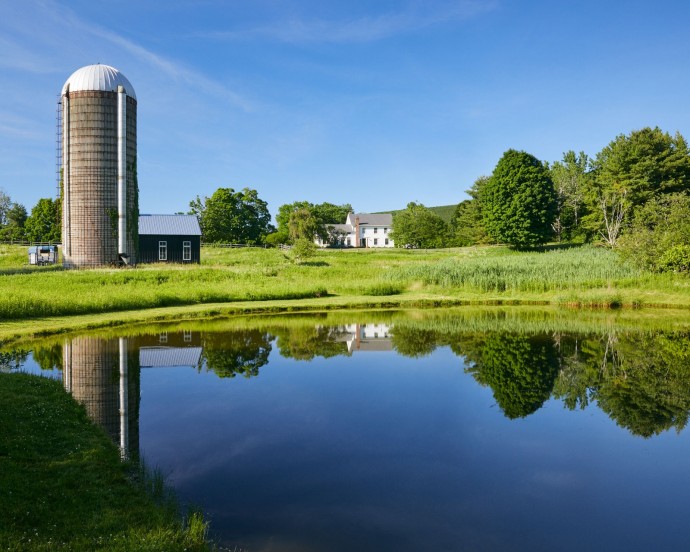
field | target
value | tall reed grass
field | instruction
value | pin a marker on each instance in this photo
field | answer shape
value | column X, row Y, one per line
column 582, row 268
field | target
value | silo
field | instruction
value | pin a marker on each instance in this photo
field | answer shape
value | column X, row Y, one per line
column 100, row 200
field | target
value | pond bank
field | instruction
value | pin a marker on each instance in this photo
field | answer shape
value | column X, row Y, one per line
column 20, row 330
column 65, row 486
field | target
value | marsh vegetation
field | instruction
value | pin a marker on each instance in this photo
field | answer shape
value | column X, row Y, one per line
column 580, row 276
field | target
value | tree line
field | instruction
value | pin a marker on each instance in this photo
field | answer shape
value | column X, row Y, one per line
column 42, row 225
column 634, row 196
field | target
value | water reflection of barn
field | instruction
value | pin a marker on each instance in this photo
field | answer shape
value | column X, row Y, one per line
column 105, row 376
column 167, row 349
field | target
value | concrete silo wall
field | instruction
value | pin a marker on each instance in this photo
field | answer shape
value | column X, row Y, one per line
column 90, row 185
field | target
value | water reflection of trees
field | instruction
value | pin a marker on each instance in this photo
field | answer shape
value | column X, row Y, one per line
column 520, row 370
column 48, row 358
column 309, row 342
column 12, row 359
column 231, row 353
column 642, row 381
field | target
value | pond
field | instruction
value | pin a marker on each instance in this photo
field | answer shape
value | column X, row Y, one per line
column 401, row 431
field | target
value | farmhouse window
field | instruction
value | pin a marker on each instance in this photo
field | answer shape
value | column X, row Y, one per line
column 186, row 251
column 376, row 241
column 386, row 241
column 376, row 230
column 162, row 250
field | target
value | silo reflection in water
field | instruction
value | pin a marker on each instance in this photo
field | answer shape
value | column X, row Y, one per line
column 103, row 375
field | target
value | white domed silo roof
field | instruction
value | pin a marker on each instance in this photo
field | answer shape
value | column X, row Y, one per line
column 98, row 77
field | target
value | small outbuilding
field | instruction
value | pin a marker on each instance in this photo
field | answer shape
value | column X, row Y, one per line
column 43, row 254
column 169, row 239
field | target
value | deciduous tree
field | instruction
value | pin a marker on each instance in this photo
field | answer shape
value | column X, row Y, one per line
column 325, row 214
column 14, row 229
column 467, row 226
column 12, row 219
column 44, row 224
column 632, row 170
column 571, row 179
column 519, row 201
column 659, row 226
column 418, row 226
column 232, row 217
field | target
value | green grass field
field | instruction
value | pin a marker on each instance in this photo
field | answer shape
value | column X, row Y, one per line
column 268, row 279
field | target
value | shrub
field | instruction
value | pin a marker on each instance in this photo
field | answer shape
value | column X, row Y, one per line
column 675, row 259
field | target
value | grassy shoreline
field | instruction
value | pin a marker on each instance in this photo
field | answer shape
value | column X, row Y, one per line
column 65, row 487
column 266, row 281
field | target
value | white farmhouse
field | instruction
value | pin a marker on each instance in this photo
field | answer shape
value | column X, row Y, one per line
column 360, row 230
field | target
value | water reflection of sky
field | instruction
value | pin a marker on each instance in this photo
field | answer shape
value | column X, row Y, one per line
column 373, row 450
column 402, row 454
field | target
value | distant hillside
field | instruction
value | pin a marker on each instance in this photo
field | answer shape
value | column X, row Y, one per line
column 443, row 211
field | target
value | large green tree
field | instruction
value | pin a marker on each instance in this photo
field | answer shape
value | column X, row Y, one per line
column 14, row 229
column 519, row 201
column 232, row 217
column 418, row 226
column 303, row 226
column 467, row 225
column 644, row 164
column 44, row 224
column 12, row 218
column 324, row 214
column 629, row 172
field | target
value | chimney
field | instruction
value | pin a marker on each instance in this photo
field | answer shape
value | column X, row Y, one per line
column 357, row 237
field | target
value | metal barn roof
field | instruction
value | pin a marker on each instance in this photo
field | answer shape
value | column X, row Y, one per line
column 98, row 77
column 169, row 225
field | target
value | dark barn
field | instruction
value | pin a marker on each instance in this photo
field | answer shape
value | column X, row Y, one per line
column 169, row 239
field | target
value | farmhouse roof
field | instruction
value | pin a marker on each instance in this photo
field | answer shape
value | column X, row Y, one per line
column 169, row 225
column 341, row 227
column 371, row 219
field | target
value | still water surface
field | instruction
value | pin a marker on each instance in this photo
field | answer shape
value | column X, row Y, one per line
column 401, row 433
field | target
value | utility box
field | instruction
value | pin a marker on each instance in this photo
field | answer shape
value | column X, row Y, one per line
column 43, row 255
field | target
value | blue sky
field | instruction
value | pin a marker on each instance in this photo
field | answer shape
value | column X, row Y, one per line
column 370, row 103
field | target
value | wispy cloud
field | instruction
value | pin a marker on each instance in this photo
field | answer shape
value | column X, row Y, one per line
column 362, row 29
column 176, row 70
column 69, row 23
